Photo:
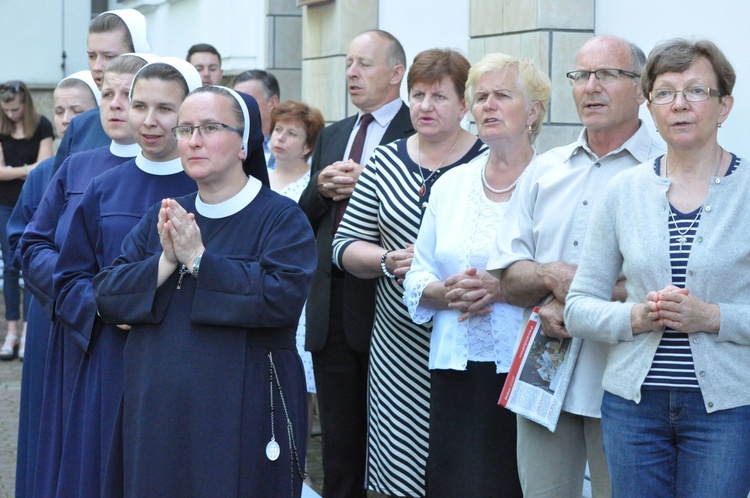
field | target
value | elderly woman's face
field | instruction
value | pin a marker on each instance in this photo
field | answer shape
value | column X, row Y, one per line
column 682, row 123
column 499, row 107
column 210, row 157
column 436, row 109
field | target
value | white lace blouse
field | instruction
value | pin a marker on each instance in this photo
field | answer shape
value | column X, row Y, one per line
column 458, row 231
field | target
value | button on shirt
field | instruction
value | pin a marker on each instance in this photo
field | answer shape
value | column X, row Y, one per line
column 547, row 220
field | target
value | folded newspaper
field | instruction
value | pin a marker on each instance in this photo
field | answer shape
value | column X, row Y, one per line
column 539, row 375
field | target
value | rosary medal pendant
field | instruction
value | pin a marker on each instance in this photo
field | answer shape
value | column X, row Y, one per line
column 272, row 450
column 422, row 190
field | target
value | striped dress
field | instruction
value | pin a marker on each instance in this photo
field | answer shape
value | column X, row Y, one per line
column 386, row 209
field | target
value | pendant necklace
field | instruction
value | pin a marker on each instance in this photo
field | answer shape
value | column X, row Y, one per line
column 501, row 190
column 273, row 450
column 682, row 238
column 423, row 187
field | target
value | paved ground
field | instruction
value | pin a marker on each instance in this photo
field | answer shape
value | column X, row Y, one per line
column 10, row 390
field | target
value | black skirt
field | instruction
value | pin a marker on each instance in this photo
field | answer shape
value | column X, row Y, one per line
column 472, row 438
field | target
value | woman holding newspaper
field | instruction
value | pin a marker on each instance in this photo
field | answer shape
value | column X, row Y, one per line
column 676, row 406
column 473, row 330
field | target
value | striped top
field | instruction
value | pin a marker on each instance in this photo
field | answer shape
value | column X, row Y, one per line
column 672, row 367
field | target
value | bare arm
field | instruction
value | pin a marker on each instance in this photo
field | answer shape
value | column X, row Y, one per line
column 362, row 259
column 525, row 283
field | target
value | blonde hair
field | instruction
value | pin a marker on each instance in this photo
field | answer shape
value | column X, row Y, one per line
column 535, row 85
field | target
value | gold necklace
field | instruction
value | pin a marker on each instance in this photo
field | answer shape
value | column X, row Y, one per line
column 423, row 187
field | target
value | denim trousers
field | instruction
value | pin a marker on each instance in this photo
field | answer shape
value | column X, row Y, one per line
column 11, row 289
column 669, row 446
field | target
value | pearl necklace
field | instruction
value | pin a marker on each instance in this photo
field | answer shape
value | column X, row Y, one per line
column 423, row 187
column 682, row 239
column 501, row 190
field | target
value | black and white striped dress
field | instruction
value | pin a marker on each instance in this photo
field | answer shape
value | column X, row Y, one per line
column 386, row 209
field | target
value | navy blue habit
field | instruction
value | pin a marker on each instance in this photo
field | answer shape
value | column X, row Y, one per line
column 110, row 207
column 196, row 410
column 55, row 358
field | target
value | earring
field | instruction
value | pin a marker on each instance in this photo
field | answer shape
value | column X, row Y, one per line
column 530, row 130
column 719, row 126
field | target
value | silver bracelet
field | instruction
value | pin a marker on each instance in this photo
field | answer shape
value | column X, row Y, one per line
column 385, row 268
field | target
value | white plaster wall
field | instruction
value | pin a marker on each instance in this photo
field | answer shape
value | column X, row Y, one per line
column 34, row 34
column 236, row 28
column 423, row 24
column 724, row 22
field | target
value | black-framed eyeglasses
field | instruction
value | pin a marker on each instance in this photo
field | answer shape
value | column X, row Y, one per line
column 204, row 130
column 662, row 96
column 10, row 87
column 603, row 76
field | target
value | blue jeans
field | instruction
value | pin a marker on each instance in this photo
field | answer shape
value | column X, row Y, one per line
column 11, row 289
column 669, row 446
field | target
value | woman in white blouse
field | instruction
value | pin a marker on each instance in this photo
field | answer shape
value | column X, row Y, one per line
column 472, row 439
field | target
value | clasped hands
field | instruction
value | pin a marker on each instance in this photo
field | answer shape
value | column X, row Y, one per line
column 398, row 262
column 179, row 235
column 337, row 180
column 676, row 309
column 472, row 292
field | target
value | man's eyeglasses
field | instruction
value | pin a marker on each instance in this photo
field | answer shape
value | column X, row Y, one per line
column 662, row 96
column 204, row 130
column 603, row 76
column 10, row 87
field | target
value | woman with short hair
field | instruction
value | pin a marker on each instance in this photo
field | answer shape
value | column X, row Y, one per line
column 472, row 439
column 676, row 408
column 375, row 241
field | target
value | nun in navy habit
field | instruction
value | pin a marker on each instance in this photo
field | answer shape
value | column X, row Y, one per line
column 212, row 285
column 38, row 323
column 56, row 357
column 86, row 132
column 110, row 207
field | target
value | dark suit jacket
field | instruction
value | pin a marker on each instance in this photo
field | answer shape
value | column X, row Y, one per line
column 359, row 303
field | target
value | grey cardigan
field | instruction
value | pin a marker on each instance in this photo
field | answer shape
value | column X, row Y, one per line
column 628, row 234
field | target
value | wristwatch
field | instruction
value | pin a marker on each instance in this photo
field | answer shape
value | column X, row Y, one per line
column 196, row 266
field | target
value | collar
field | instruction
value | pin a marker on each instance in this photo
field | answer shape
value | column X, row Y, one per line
column 638, row 145
column 163, row 168
column 384, row 114
column 231, row 206
column 120, row 150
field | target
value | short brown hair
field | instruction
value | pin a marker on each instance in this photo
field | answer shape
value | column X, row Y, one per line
column 677, row 54
column 310, row 117
column 430, row 66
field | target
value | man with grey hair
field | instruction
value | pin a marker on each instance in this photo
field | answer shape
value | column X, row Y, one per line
column 264, row 88
column 341, row 307
column 538, row 254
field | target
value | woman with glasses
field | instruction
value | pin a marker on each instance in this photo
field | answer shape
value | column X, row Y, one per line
column 111, row 205
column 25, row 139
column 212, row 285
column 676, row 407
